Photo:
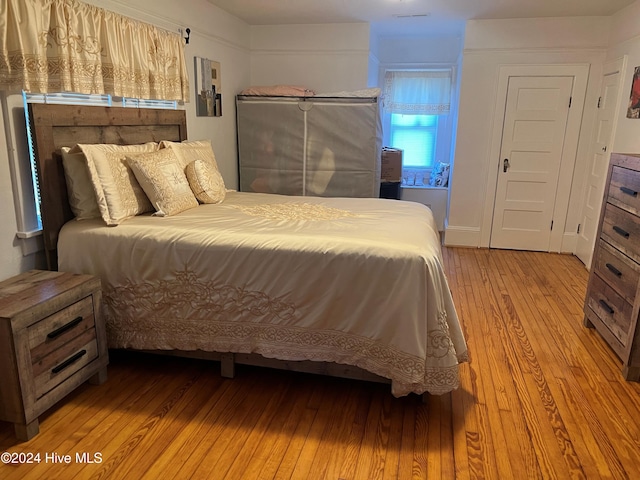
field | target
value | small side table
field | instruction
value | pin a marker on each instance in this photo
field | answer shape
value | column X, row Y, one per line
column 52, row 339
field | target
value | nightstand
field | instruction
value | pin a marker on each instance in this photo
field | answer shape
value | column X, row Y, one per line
column 52, row 339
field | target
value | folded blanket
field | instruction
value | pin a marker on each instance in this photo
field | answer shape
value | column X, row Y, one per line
column 279, row 91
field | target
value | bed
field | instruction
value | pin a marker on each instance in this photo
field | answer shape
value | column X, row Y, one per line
column 341, row 286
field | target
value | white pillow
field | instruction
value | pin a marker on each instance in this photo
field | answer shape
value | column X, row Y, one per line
column 163, row 180
column 82, row 198
column 118, row 193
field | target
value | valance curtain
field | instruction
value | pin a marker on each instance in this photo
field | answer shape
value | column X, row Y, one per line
column 417, row 92
column 51, row 46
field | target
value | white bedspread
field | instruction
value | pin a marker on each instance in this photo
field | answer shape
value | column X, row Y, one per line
column 357, row 281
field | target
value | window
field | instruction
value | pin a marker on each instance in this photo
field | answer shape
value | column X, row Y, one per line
column 416, row 136
column 416, row 119
column 73, row 99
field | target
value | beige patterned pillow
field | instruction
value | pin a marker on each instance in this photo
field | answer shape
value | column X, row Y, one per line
column 206, row 183
column 163, row 180
column 188, row 151
column 82, row 198
column 118, row 193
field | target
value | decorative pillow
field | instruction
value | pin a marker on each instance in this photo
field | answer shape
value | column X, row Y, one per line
column 207, row 184
column 163, row 180
column 188, row 151
column 82, row 198
column 439, row 175
column 118, row 193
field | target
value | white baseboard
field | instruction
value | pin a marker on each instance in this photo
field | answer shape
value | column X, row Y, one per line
column 455, row 236
column 461, row 236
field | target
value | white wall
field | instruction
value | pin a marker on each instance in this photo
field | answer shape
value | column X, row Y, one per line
column 374, row 60
column 419, row 50
column 489, row 45
column 214, row 34
column 625, row 40
column 324, row 58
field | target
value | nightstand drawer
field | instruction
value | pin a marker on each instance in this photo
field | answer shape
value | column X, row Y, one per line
column 611, row 308
column 624, row 190
column 55, row 330
column 622, row 230
column 618, row 270
column 61, row 364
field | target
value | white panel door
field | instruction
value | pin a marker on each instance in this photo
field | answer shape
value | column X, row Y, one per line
column 533, row 137
column 600, row 151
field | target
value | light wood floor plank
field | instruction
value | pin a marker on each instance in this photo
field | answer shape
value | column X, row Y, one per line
column 236, row 421
column 534, row 349
column 408, row 441
column 393, row 456
column 245, row 439
column 179, row 449
column 512, row 437
column 282, row 429
column 493, row 386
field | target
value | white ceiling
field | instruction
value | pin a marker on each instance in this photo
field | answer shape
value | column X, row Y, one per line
column 445, row 16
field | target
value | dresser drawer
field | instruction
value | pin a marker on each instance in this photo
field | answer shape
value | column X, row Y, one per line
column 611, row 308
column 624, row 190
column 619, row 271
column 54, row 331
column 622, row 230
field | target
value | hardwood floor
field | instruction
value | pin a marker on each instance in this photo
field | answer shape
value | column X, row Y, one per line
column 542, row 397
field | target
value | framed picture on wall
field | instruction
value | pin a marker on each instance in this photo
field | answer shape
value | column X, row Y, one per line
column 208, row 88
column 634, row 99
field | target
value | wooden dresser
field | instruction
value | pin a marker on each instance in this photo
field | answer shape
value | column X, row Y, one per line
column 52, row 339
column 613, row 299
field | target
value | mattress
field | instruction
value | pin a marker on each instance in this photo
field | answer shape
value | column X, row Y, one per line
column 356, row 281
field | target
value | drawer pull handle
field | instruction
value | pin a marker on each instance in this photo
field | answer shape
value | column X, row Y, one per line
column 628, row 191
column 606, row 306
column 64, row 328
column 620, row 231
column 69, row 361
column 614, row 270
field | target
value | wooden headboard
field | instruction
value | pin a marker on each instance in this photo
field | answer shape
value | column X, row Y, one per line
column 57, row 126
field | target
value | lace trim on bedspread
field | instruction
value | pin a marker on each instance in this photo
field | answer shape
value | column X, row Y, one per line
column 294, row 211
column 191, row 314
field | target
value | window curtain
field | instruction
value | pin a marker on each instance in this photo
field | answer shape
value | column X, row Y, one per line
column 417, row 92
column 69, row 46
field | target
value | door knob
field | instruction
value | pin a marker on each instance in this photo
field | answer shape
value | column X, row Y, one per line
column 505, row 165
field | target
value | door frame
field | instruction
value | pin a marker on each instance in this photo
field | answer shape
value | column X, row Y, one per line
column 618, row 65
column 580, row 74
